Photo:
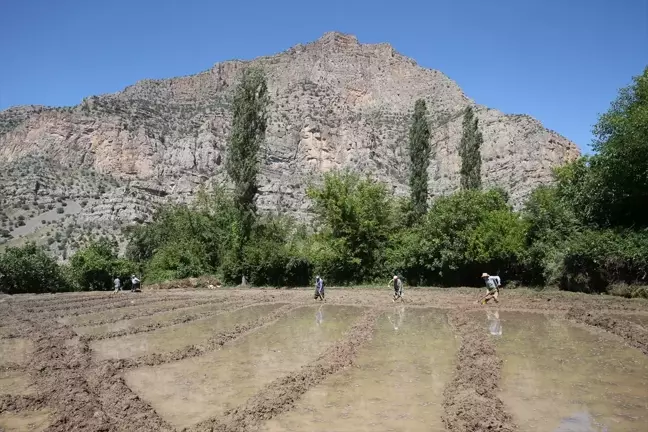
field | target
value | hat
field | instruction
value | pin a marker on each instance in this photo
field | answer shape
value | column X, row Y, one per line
column 395, row 277
column 316, row 277
column 484, row 275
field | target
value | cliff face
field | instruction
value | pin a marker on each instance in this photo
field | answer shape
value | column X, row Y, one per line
column 336, row 103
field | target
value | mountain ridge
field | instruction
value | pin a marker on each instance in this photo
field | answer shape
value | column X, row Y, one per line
column 335, row 104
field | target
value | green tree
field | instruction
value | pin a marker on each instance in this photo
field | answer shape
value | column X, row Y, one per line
column 95, row 266
column 419, row 149
column 470, row 151
column 356, row 216
column 28, row 269
column 249, row 121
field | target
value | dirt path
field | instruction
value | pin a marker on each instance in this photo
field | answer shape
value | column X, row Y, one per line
column 91, row 395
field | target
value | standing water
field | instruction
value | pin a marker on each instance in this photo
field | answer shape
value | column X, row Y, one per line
column 189, row 391
column 396, row 383
column 558, row 377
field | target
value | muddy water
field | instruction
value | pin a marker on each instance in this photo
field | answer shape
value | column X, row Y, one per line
column 396, row 385
column 193, row 390
column 560, row 377
column 14, row 350
column 146, row 320
column 35, row 421
column 178, row 336
column 16, row 383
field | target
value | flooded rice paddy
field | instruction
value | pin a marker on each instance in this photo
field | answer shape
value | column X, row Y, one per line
column 396, row 383
column 557, row 376
column 176, row 336
column 192, row 390
column 275, row 360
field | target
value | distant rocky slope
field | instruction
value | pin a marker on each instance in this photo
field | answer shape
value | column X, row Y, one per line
column 336, row 103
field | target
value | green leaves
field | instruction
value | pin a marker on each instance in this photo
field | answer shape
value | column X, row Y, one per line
column 356, row 216
column 28, row 269
column 419, row 149
column 470, row 151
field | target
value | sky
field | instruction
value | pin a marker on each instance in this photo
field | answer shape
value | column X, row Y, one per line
column 560, row 61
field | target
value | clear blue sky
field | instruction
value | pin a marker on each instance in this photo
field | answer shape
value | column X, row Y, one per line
column 561, row 61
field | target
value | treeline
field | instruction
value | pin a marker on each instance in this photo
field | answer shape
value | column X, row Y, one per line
column 588, row 232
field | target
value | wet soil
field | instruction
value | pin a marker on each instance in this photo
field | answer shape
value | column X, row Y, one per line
column 556, row 374
column 80, row 392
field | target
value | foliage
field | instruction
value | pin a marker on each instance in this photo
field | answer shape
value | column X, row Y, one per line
column 96, row 266
column 610, row 188
column 249, row 121
column 470, row 151
column 28, row 269
column 356, row 217
column 419, row 149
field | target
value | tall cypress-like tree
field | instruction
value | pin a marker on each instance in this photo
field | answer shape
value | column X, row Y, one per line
column 419, row 148
column 249, row 121
column 470, row 151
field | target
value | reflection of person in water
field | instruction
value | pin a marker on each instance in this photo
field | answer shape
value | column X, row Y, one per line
column 319, row 318
column 494, row 324
column 580, row 422
column 399, row 315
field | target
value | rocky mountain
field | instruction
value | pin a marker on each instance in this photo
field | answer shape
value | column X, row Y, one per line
column 336, row 104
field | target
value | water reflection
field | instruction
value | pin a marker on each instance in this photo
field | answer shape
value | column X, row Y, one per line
column 319, row 317
column 397, row 318
column 494, row 323
column 580, row 422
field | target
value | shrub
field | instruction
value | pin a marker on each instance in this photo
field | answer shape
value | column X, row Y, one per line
column 60, row 210
column 28, row 269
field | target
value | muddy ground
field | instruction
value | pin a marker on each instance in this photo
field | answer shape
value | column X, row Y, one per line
column 76, row 391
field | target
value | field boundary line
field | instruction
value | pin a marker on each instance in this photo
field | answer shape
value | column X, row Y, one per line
column 281, row 394
column 470, row 399
column 231, row 307
column 214, row 342
column 633, row 334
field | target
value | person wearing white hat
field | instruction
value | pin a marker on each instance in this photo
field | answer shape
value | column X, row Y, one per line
column 492, row 287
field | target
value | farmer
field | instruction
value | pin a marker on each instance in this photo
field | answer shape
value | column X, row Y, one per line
column 492, row 287
column 398, row 288
column 136, row 283
column 117, row 283
column 319, row 288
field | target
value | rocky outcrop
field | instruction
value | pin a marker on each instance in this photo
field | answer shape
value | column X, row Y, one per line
column 336, row 104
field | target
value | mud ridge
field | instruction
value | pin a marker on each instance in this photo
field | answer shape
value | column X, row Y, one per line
column 281, row 395
column 470, row 398
column 633, row 334
column 83, row 396
column 155, row 310
column 15, row 403
column 212, row 344
column 77, row 310
column 155, row 326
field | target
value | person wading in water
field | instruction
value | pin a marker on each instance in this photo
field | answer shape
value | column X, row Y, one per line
column 398, row 288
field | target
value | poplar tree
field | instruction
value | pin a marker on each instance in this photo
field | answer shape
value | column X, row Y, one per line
column 419, row 149
column 470, row 152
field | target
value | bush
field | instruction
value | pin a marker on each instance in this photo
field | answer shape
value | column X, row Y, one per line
column 96, row 266
column 60, row 210
column 28, row 269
